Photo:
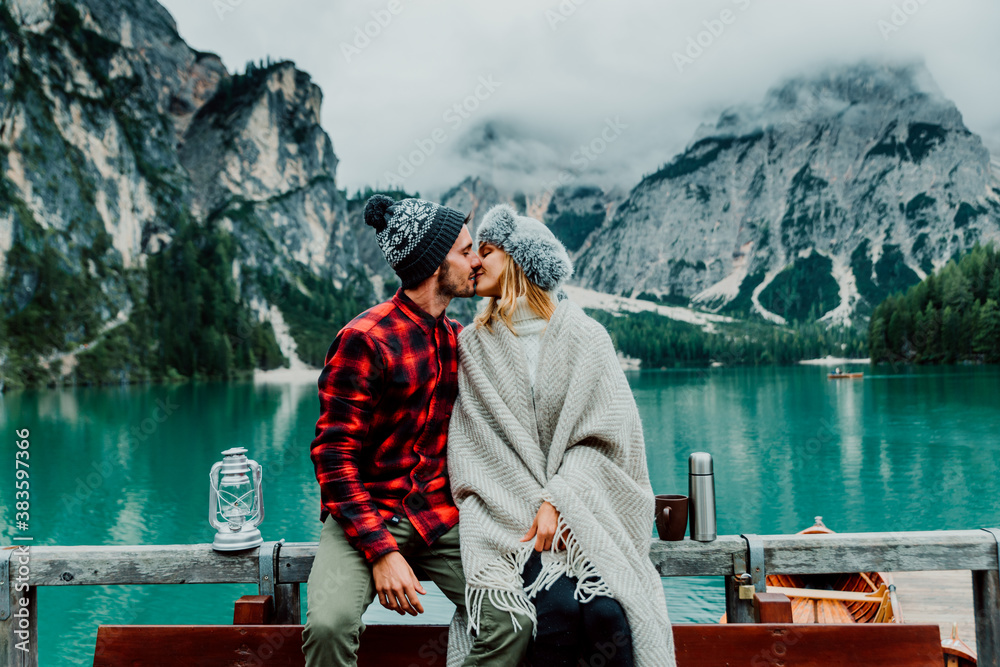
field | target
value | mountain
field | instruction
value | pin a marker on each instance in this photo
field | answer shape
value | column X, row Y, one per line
column 257, row 155
column 159, row 215
column 833, row 192
column 162, row 217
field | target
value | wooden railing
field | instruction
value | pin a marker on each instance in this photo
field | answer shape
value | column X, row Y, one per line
column 728, row 557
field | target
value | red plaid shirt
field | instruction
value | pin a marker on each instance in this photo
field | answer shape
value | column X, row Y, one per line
column 386, row 394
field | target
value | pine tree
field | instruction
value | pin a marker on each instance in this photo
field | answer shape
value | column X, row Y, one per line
column 987, row 337
column 932, row 333
column 941, row 318
column 957, row 293
column 950, row 333
column 894, row 334
column 877, row 349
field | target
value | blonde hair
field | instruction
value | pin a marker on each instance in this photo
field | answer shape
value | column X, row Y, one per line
column 513, row 284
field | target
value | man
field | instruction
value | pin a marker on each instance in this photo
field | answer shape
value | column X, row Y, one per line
column 386, row 394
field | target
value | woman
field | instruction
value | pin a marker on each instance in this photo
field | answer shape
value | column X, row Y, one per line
column 547, row 464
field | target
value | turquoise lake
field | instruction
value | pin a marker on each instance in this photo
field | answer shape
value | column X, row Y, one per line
column 915, row 449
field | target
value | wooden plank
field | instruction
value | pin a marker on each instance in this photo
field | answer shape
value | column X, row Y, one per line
column 772, row 608
column 697, row 559
column 199, row 646
column 143, row 564
column 943, row 597
column 295, row 561
column 21, row 628
column 271, row 645
column 737, row 610
column 791, row 645
column 986, row 603
column 880, row 552
column 697, row 645
column 287, row 604
column 253, row 610
column 785, row 554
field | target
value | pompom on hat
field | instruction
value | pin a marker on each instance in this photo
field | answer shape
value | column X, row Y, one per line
column 415, row 235
column 530, row 244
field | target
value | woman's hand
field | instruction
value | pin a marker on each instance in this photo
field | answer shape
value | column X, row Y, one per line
column 543, row 529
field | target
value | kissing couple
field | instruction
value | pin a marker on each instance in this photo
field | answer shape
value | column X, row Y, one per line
column 504, row 461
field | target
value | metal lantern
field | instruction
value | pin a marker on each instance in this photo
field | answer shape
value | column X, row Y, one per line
column 235, row 505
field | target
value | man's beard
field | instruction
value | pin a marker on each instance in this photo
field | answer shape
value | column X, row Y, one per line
column 453, row 285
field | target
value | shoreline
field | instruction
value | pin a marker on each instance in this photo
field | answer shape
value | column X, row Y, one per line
column 287, row 376
column 834, row 361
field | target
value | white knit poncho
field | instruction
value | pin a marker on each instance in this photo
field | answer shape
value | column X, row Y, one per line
column 576, row 441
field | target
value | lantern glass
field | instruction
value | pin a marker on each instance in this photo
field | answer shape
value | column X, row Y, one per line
column 235, row 500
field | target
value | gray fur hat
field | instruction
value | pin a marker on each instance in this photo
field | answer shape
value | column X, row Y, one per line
column 529, row 243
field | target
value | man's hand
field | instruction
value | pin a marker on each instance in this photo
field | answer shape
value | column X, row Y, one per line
column 396, row 584
column 543, row 529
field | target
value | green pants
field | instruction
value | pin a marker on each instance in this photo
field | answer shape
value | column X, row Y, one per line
column 341, row 588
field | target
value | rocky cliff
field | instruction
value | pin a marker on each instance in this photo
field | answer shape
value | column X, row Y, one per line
column 263, row 167
column 115, row 137
column 834, row 191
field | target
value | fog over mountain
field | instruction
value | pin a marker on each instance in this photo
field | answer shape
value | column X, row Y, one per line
column 565, row 68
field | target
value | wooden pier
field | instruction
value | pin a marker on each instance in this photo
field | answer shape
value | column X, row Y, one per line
column 942, row 598
column 278, row 569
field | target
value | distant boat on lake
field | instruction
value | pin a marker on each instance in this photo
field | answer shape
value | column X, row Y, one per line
column 837, row 375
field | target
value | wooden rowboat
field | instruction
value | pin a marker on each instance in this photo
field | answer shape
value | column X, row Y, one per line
column 858, row 597
column 956, row 652
column 844, row 376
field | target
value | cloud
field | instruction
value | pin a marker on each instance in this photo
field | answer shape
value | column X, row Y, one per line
column 399, row 73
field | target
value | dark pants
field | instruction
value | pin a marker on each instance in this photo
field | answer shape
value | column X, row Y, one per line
column 571, row 634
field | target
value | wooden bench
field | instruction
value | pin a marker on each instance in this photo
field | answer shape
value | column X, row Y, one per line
column 253, row 641
column 281, row 572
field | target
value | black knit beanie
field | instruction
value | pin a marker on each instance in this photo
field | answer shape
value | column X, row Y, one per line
column 414, row 235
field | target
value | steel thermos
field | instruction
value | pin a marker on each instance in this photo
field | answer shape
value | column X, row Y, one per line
column 701, row 491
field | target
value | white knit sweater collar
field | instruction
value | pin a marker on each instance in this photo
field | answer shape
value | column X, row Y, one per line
column 524, row 320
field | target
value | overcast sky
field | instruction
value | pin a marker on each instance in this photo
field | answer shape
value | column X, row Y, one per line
column 548, row 77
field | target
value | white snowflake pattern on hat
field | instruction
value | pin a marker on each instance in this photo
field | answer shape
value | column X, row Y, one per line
column 411, row 220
